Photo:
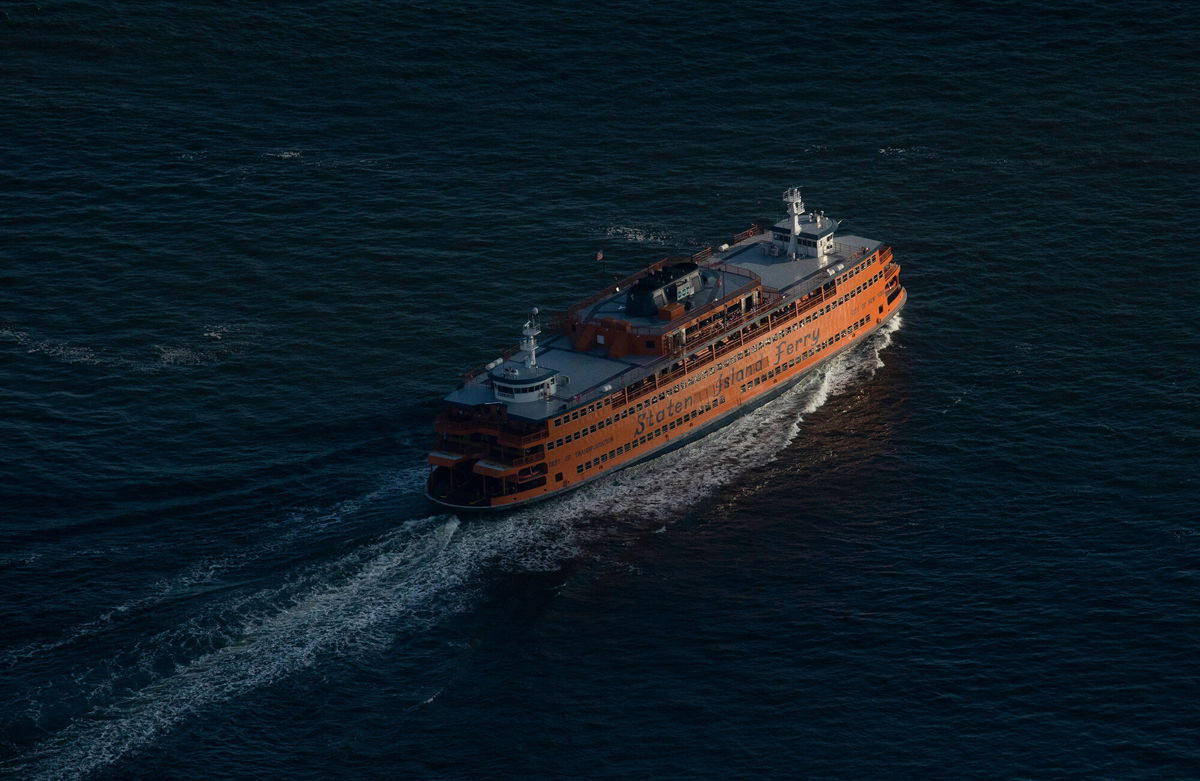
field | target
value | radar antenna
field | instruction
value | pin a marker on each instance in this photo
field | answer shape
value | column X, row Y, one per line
column 795, row 207
column 529, row 342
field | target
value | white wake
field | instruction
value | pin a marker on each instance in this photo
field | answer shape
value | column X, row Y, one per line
column 414, row 577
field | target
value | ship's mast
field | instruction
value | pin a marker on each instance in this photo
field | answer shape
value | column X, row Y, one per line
column 795, row 207
column 529, row 342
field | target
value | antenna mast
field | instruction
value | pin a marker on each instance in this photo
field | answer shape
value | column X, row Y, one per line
column 529, row 340
column 795, row 207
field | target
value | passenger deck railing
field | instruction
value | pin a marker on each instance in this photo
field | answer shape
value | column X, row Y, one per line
column 851, row 251
column 753, row 230
column 753, row 282
column 624, row 284
column 649, row 384
column 695, row 257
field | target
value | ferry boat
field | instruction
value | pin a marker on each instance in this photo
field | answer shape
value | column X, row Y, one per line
column 659, row 359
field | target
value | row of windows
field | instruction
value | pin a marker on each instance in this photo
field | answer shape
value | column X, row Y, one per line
column 509, row 390
column 588, row 410
column 591, row 408
column 592, row 429
column 860, row 267
column 779, row 235
column 606, row 422
column 702, row 375
column 648, row 437
column 585, row 411
column 855, row 291
column 604, row 457
column 783, row 367
column 600, row 424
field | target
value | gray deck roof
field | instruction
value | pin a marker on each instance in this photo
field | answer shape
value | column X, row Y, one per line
column 781, row 273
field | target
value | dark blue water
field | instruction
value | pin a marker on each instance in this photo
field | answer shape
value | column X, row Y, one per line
column 245, row 248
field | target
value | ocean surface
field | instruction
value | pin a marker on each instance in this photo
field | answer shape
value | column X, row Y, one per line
column 245, row 249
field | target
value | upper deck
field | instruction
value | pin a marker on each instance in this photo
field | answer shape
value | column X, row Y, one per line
column 788, row 276
column 758, row 256
column 720, row 282
column 626, row 332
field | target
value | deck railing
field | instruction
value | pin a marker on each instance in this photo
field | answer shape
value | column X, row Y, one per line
column 753, row 282
column 695, row 257
column 552, row 322
column 624, row 284
column 643, row 386
column 753, row 230
column 851, row 251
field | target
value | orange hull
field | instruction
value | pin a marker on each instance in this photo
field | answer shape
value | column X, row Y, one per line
column 764, row 350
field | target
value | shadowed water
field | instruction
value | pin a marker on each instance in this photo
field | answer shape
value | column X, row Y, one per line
column 246, row 250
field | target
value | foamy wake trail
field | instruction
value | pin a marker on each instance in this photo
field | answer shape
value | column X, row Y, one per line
column 63, row 351
column 279, row 535
column 416, row 576
column 660, row 487
column 408, row 579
